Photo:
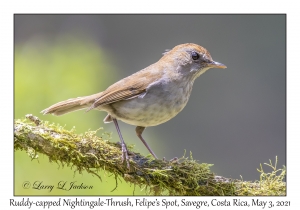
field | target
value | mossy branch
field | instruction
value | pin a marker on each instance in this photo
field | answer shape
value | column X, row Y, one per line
column 92, row 153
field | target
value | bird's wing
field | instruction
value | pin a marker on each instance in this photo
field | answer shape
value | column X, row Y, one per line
column 115, row 93
column 125, row 89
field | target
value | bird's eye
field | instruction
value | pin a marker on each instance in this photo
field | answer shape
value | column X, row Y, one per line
column 195, row 56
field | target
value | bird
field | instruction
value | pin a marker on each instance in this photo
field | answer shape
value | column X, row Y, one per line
column 149, row 97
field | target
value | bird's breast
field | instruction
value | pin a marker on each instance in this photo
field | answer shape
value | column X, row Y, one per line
column 159, row 104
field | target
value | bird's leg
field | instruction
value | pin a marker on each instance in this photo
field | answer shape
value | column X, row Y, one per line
column 123, row 145
column 139, row 130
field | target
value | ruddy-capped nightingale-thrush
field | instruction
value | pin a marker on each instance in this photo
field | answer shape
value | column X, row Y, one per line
column 150, row 96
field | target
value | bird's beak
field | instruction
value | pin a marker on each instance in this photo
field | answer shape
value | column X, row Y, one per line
column 218, row 65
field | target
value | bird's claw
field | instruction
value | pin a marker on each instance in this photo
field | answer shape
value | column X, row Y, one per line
column 125, row 155
column 173, row 160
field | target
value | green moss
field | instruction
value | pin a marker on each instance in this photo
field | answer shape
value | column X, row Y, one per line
column 269, row 184
column 91, row 153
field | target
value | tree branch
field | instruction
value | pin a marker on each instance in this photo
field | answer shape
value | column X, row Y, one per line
column 92, row 153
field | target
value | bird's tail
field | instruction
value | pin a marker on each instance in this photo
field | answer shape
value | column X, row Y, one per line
column 71, row 105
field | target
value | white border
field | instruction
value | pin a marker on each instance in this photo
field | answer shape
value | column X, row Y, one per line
column 8, row 8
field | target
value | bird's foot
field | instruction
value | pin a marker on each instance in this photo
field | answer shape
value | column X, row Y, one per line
column 125, row 157
column 173, row 160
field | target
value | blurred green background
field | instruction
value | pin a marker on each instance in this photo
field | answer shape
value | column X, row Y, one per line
column 235, row 118
column 45, row 73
